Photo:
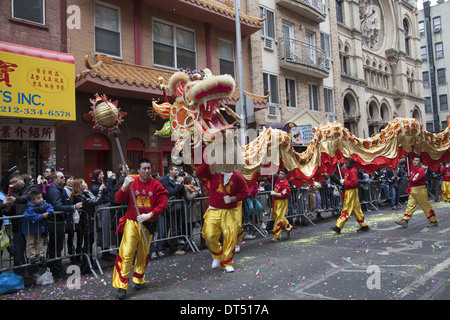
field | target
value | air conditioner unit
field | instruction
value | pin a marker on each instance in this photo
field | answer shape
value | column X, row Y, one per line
column 268, row 43
column 272, row 110
column 437, row 29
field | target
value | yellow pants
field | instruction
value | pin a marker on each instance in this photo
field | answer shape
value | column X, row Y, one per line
column 419, row 197
column 351, row 205
column 445, row 190
column 132, row 243
column 279, row 218
column 240, row 234
column 216, row 222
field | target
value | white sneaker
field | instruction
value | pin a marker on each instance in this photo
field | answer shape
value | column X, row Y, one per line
column 229, row 269
column 249, row 236
column 237, row 248
column 215, row 264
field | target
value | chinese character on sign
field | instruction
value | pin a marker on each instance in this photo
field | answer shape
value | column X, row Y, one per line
column 5, row 68
column 33, row 132
column 19, row 132
column 47, row 132
column 5, row 131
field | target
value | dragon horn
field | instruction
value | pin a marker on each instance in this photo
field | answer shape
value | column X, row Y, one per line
column 165, row 132
column 163, row 109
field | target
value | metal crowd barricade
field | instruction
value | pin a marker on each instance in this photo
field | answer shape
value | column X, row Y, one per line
column 17, row 253
column 174, row 222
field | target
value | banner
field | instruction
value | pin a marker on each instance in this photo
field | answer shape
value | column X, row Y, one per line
column 32, row 87
column 301, row 135
column 10, row 131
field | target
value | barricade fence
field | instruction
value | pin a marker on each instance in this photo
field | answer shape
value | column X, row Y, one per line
column 181, row 223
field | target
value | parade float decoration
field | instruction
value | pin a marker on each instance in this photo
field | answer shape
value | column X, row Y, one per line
column 199, row 98
column 107, row 116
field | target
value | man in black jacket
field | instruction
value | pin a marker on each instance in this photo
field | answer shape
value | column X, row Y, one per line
column 18, row 201
column 58, row 198
column 174, row 184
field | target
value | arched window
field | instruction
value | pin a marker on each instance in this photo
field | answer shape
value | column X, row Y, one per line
column 406, row 31
column 135, row 152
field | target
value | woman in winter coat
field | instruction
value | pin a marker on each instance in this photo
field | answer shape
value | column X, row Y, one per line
column 81, row 193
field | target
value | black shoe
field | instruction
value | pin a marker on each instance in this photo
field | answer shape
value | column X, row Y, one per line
column 363, row 229
column 138, row 287
column 121, row 293
column 336, row 230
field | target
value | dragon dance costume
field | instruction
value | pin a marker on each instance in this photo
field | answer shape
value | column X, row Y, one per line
column 150, row 197
column 280, row 207
column 221, row 217
column 445, row 189
column 418, row 196
column 351, row 202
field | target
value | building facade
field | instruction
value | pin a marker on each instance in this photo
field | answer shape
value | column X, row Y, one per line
column 294, row 55
column 381, row 68
column 122, row 47
column 433, row 46
column 33, row 41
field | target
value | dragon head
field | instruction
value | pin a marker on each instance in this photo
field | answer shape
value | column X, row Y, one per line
column 199, row 99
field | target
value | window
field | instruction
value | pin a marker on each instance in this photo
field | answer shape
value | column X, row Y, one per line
column 339, row 15
column 437, row 24
column 439, row 50
column 173, row 46
column 29, row 10
column 426, row 79
column 406, row 30
column 430, row 127
column 313, row 97
column 421, row 29
column 291, row 95
column 423, row 53
column 443, row 102
column 441, row 76
column 428, row 105
column 268, row 29
column 271, row 84
column 444, row 125
column 226, row 57
column 107, row 30
column 325, row 44
column 328, row 97
column 135, row 151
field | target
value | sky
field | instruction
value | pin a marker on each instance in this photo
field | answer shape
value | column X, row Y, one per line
column 420, row 3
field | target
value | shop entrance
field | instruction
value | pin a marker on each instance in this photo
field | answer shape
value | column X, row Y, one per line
column 97, row 150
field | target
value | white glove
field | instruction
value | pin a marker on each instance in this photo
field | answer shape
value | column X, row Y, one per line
column 342, row 181
column 227, row 199
column 272, row 193
column 143, row 217
column 109, row 173
column 128, row 180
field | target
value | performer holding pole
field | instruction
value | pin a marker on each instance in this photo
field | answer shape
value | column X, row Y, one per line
column 152, row 200
column 351, row 202
column 418, row 196
column 222, row 215
column 280, row 203
column 445, row 172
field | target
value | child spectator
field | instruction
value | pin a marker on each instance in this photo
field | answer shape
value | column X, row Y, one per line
column 34, row 225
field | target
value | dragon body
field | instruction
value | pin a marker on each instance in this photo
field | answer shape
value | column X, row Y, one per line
column 199, row 100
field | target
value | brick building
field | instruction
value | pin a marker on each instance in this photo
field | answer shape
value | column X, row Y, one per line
column 33, row 37
column 122, row 47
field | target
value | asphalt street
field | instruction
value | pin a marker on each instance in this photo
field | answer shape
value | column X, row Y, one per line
column 386, row 263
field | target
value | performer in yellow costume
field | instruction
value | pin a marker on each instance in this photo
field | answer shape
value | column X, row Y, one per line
column 151, row 198
column 222, row 216
column 418, row 196
column 280, row 195
column 445, row 189
column 351, row 202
